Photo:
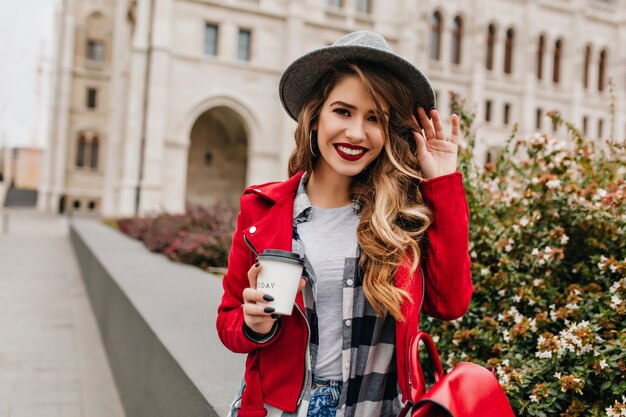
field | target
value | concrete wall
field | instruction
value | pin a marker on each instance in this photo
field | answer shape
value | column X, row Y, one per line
column 157, row 321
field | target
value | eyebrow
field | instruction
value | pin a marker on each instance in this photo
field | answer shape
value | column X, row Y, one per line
column 353, row 107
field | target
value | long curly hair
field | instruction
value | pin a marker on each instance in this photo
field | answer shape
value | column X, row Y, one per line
column 393, row 217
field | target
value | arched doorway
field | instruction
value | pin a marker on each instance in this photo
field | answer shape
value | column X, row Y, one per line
column 217, row 158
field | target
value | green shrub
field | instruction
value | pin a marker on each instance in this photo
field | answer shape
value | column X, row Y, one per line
column 549, row 270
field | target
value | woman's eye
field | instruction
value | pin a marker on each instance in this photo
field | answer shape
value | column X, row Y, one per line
column 342, row 112
column 373, row 119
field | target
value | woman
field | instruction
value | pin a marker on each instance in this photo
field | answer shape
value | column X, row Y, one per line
column 369, row 186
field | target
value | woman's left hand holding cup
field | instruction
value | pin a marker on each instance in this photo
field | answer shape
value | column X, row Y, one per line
column 258, row 315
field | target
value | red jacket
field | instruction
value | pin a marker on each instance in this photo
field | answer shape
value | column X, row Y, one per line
column 275, row 370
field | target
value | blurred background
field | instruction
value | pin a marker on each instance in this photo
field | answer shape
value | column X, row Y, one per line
column 125, row 107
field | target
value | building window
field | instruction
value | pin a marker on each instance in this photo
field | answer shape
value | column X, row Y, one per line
column 507, row 114
column 87, row 152
column 457, row 39
column 600, row 128
column 488, row 111
column 76, row 204
column 92, row 205
column 587, row 63
column 243, row 45
column 364, row 6
column 94, row 153
column 508, row 51
column 558, row 54
column 541, row 50
column 210, row 39
column 491, row 44
column 436, row 30
column 81, row 151
column 601, row 69
column 585, row 125
column 95, row 50
column 92, row 98
column 538, row 118
column 335, row 3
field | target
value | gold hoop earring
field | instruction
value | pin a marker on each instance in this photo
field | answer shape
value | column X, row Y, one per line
column 311, row 142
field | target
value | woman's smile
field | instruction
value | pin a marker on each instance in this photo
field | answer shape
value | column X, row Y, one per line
column 350, row 152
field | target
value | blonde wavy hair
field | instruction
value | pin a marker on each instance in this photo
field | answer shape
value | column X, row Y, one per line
column 393, row 217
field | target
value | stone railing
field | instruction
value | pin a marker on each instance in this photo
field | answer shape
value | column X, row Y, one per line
column 157, row 322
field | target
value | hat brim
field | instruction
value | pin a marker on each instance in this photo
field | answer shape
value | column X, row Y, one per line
column 302, row 75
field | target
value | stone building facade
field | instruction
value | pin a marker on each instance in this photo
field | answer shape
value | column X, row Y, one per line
column 159, row 102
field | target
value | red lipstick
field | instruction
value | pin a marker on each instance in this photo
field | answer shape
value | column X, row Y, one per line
column 356, row 152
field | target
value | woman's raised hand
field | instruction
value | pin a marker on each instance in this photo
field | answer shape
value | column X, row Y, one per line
column 436, row 153
column 257, row 314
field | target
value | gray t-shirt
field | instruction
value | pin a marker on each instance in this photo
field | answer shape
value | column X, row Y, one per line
column 329, row 237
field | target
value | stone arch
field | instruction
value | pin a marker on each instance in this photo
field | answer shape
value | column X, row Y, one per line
column 219, row 136
column 219, row 100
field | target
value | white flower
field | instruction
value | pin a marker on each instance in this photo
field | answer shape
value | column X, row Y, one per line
column 564, row 239
column 599, row 195
column 548, row 249
column 516, row 298
column 484, row 271
column 501, row 293
column 603, row 364
column 557, row 375
column 552, row 184
column 537, row 282
column 534, row 252
column 615, row 302
column 508, row 248
column 544, row 355
column 533, row 398
column 535, row 180
column 523, row 221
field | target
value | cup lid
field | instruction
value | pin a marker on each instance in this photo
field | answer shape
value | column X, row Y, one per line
column 277, row 253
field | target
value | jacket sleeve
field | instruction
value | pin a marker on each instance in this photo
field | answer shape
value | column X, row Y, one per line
column 230, row 320
column 446, row 262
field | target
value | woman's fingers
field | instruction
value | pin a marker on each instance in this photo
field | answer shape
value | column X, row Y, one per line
column 253, row 273
column 258, row 310
column 419, row 139
column 436, row 121
column 454, row 137
column 433, row 127
column 251, row 295
column 426, row 124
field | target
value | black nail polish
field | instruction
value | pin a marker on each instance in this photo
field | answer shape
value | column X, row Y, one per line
column 269, row 309
column 256, row 265
column 268, row 297
column 275, row 316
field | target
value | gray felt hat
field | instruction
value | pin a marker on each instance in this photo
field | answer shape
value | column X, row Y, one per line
column 301, row 76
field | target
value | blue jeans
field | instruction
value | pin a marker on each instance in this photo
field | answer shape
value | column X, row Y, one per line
column 324, row 398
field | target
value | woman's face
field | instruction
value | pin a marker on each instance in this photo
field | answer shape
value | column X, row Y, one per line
column 349, row 134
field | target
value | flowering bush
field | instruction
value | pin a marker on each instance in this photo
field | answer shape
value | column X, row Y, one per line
column 201, row 236
column 549, row 269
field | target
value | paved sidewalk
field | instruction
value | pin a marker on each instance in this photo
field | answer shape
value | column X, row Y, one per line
column 52, row 363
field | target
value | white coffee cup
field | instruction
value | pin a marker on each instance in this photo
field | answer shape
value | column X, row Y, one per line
column 280, row 277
